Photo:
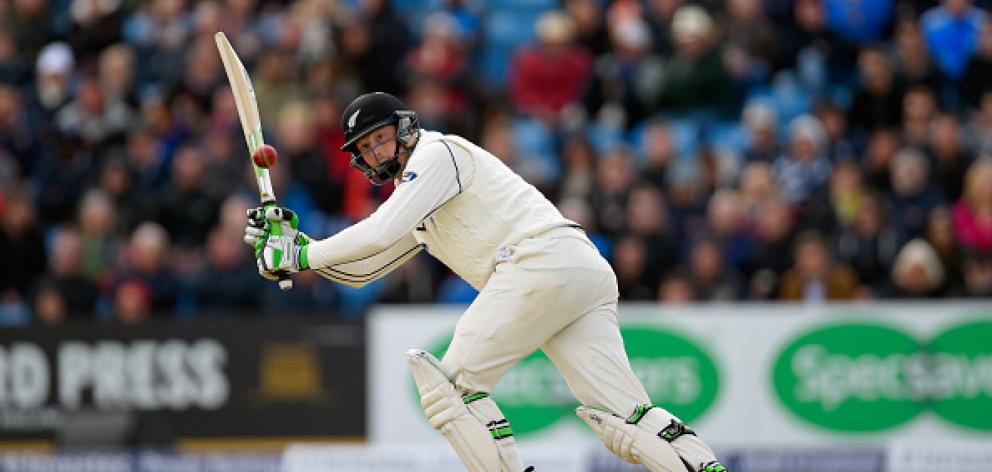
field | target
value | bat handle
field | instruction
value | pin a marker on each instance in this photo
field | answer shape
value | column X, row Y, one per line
column 285, row 283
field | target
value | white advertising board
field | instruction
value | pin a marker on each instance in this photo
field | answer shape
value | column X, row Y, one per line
column 743, row 376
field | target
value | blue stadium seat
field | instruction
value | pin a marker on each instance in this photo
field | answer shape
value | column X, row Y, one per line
column 726, row 135
column 535, row 143
column 685, row 134
column 523, row 5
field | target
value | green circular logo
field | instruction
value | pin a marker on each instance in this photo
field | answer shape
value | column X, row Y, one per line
column 676, row 373
column 961, row 375
column 852, row 377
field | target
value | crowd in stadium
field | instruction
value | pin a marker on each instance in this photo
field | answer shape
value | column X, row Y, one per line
column 714, row 150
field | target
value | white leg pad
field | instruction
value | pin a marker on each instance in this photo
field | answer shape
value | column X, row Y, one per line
column 631, row 443
column 465, row 429
column 693, row 450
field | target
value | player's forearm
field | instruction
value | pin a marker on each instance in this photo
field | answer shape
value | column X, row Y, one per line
column 360, row 272
column 360, row 241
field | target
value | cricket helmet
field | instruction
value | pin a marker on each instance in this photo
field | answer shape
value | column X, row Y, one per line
column 368, row 113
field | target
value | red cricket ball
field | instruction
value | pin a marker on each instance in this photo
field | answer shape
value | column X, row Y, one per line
column 265, row 156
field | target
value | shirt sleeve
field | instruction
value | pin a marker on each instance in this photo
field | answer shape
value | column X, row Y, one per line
column 434, row 174
column 362, row 271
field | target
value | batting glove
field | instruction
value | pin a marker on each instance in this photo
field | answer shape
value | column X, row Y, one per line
column 280, row 248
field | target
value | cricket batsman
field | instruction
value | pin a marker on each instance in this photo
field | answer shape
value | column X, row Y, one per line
column 542, row 285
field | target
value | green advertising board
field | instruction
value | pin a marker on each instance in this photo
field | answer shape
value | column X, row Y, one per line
column 860, row 377
column 677, row 373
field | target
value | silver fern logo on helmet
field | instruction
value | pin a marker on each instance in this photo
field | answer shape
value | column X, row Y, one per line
column 353, row 119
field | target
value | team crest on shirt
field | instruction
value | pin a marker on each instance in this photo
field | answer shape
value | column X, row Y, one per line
column 408, row 176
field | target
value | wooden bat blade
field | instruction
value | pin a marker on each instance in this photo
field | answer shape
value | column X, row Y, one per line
column 244, row 100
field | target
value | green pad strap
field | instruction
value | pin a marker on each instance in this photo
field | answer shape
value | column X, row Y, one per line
column 500, row 429
column 639, row 413
column 471, row 397
column 500, row 433
column 674, row 430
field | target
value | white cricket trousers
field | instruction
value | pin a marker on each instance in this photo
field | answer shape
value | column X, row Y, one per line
column 554, row 292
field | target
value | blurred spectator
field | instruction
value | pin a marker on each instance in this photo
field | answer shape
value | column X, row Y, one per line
column 297, row 148
column 379, row 62
column 626, row 81
column 276, row 84
column 838, row 205
column 579, row 211
column 19, row 140
column 949, row 155
column 146, row 260
column 98, row 230
column 750, row 38
column 630, row 258
column 54, row 71
column 687, row 196
column 878, row 100
column 711, row 278
column 975, row 80
column 50, row 305
column 614, row 175
column 815, row 277
column 15, row 67
column 21, row 239
column 116, row 75
column 227, row 284
column 441, row 57
column 917, row 272
column 92, row 118
column 978, row 276
column 158, row 31
column 590, row 25
column 676, row 288
column 804, row 168
column 187, row 208
column 117, row 180
column 725, row 220
column 132, row 302
column 550, row 75
column 30, row 22
column 881, row 149
column 857, row 21
column 659, row 152
column 952, row 31
column 95, row 25
column 79, row 294
column 773, row 248
column 579, row 177
column 695, row 77
column 761, row 123
column 839, row 146
column 647, row 218
column 979, row 127
column 912, row 197
column 919, row 106
column 757, row 187
column 806, row 34
column 869, row 244
column 973, row 212
column 913, row 64
column 940, row 235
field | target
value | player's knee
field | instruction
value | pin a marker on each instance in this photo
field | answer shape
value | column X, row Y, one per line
column 441, row 403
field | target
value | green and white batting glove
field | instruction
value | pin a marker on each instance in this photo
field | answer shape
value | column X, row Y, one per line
column 280, row 248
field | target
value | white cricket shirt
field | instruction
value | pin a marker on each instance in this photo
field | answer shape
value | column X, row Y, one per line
column 456, row 200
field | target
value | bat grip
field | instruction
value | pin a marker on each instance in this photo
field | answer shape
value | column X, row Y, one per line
column 285, row 283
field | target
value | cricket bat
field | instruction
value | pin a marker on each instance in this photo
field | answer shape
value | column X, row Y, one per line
column 244, row 98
